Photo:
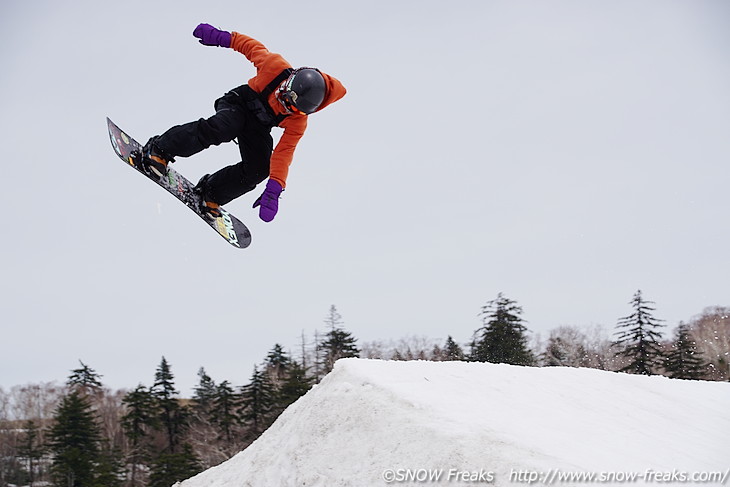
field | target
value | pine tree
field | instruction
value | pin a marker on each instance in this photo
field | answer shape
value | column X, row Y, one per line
column 12, row 471
column 555, row 354
column 140, row 416
column 204, row 393
column 295, row 385
column 74, row 442
column 638, row 339
column 503, row 338
column 84, row 378
column 277, row 364
column 566, row 347
column 201, row 422
column 711, row 332
column 684, row 361
column 170, row 468
column 30, row 448
column 224, row 412
column 258, row 398
column 172, row 416
column 337, row 343
column 138, row 422
column 110, row 469
column 289, row 379
column 452, row 351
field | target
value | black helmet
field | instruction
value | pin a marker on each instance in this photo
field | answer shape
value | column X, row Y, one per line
column 304, row 90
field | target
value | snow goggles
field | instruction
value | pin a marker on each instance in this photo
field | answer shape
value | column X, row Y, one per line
column 289, row 99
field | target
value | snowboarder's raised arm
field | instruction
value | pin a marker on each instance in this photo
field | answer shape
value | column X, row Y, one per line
column 254, row 50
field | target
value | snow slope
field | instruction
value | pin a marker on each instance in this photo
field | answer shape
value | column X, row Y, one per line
column 370, row 422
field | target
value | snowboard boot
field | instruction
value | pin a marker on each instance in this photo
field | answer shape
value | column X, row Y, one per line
column 208, row 208
column 153, row 160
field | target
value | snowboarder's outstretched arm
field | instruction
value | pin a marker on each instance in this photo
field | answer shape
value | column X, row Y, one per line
column 254, row 50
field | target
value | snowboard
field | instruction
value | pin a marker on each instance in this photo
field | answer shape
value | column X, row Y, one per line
column 227, row 226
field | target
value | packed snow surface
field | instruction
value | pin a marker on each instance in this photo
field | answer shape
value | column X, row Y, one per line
column 374, row 423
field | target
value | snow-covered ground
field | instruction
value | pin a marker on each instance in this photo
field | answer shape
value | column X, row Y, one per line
column 373, row 423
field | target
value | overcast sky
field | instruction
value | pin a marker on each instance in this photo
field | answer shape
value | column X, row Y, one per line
column 566, row 153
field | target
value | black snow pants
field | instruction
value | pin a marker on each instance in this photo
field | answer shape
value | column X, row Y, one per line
column 235, row 118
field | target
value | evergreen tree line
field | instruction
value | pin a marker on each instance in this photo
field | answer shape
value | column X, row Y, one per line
column 150, row 436
column 698, row 350
column 85, row 435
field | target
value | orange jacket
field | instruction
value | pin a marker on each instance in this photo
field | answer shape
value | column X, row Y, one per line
column 268, row 66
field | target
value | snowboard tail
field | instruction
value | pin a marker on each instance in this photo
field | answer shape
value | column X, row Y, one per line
column 227, row 226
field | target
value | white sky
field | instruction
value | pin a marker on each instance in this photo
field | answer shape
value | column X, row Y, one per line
column 566, row 153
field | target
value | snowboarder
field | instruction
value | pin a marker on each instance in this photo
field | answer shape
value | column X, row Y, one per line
column 277, row 96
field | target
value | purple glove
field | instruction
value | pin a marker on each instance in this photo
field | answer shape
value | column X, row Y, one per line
column 210, row 36
column 269, row 201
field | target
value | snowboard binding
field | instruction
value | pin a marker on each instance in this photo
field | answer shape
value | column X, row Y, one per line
column 151, row 159
column 208, row 208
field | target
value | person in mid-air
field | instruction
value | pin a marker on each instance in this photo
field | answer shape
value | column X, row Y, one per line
column 278, row 96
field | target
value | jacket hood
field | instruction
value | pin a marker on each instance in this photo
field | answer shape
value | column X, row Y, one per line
column 335, row 90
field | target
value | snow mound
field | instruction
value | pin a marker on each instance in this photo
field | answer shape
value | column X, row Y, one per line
column 371, row 422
